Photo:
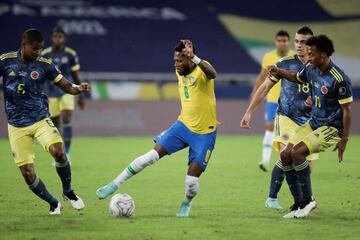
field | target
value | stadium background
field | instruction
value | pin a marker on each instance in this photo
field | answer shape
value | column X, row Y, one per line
column 126, row 50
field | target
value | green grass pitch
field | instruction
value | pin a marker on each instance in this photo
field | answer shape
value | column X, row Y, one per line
column 230, row 203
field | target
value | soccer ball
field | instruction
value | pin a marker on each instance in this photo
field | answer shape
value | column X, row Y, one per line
column 121, row 205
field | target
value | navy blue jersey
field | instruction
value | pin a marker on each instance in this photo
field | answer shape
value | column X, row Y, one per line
column 329, row 90
column 67, row 61
column 25, row 102
column 292, row 95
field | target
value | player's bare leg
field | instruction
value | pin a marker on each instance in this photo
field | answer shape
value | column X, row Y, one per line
column 298, row 154
column 38, row 187
column 57, row 122
column 267, row 147
column 64, row 171
column 135, row 167
column 191, row 188
column 67, row 132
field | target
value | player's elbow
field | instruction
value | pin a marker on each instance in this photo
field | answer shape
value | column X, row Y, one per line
column 212, row 74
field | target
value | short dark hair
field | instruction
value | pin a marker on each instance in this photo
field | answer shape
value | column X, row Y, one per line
column 305, row 30
column 58, row 29
column 282, row 33
column 32, row 35
column 323, row 43
column 180, row 46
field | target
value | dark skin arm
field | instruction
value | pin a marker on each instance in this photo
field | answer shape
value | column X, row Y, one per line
column 291, row 76
column 341, row 146
column 72, row 89
column 81, row 100
column 205, row 67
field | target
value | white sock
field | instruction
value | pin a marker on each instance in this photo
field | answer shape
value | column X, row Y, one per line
column 137, row 166
column 191, row 188
column 267, row 147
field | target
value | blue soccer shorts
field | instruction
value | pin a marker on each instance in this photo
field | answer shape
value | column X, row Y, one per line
column 178, row 137
column 270, row 111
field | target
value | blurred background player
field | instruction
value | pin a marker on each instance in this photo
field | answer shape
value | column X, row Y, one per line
column 24, row 74
column 61, row 104
column 330, row 121
column 195, row 127
column 282, row 42
column 293, row 111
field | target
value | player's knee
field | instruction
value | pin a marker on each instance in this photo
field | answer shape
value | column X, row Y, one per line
column 28, row 174
column 285, row 157
column 56, row 150
column 269, row 126
column 297, row 156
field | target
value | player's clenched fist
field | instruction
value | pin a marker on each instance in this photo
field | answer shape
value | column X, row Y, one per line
column 84, row 87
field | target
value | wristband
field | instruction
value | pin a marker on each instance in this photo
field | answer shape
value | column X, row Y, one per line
column 75, row 86
column 196, row 60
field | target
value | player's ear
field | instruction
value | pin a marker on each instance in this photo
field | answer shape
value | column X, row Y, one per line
column 323, row 54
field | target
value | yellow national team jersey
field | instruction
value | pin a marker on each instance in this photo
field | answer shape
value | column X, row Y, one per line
column 198, row 103
column 270, row 58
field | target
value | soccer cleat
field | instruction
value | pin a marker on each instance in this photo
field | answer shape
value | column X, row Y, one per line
column 106, row 190
column 273, row 203
column 55, row 209
column 75, row 201
column 184, row 210
column 291, row 213
column 263, row 167
column 305, row 208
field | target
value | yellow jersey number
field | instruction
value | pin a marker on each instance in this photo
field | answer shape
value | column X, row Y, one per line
column 20, row 88
column 317, row 102
column 304, row 87
column 186, row 92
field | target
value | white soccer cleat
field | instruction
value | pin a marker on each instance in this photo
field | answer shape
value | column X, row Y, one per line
column 305, row 209
column 291, row 213
column 56, row 210
column 75, row 201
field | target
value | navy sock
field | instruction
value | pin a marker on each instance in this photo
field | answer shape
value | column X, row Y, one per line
column 67, row 135
column 303, row 175
column 38, row 187
column 292, row 181
column 64, row 171
column 277, row 178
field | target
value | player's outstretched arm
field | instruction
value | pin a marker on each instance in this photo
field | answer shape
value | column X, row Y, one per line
column 258, row 97
column 72, row 89
column 205, row 66
column 341, row 146
column 287, row 75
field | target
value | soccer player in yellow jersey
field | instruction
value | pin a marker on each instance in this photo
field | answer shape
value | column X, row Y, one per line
column 282, row 41
column 195, row 127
